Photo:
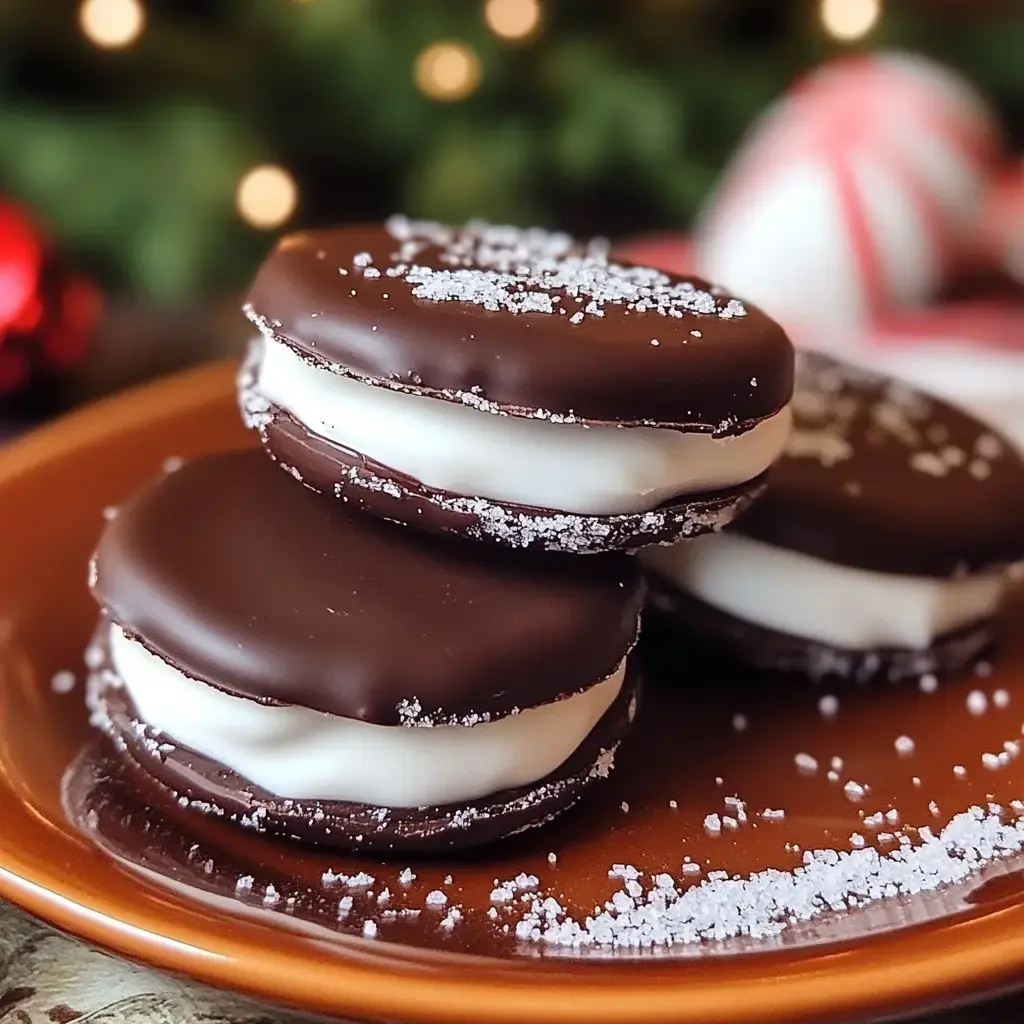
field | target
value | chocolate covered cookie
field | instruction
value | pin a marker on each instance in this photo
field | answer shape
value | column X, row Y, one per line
column 880, row 547
column 512, row 386
column 298, row 667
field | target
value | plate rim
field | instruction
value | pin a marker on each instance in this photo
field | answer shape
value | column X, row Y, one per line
column 888, row 974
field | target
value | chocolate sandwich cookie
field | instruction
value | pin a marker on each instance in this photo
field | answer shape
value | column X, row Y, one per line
column 302, row 669
column 512, row 386
column 879, row 549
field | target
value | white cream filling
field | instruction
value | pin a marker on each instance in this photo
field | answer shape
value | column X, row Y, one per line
column 569, row 467
column 809, row 597
column 302, row 754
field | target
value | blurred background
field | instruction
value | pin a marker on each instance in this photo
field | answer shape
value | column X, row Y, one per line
column 150, row 151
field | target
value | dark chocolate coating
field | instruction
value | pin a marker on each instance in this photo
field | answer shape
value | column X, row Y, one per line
column 916, row 494
column 166, row 772
column 242, row 578
column 381, row 491
column 679, row 616
column 605, row 369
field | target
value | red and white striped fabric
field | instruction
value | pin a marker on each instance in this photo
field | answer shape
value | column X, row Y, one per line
column 854, row 193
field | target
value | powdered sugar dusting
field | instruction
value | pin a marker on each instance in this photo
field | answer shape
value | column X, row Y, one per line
column 835, row 404
column 412, row 716
column 765, row 903
column 562, row 531
column 531, row 270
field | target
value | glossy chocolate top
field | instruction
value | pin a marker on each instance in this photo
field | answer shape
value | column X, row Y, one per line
column 241, row 577
column 880, row 476
column 523, row 322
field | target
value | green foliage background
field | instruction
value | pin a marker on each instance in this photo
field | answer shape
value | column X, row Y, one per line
column 616, row 117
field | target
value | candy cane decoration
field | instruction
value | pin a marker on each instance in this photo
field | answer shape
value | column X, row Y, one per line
column 859, row 121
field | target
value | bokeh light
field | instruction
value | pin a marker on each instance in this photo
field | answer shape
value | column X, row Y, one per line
column 111, row 24
column 267, row 196
column 447, row 71
column 512, row 19
column 849, row 20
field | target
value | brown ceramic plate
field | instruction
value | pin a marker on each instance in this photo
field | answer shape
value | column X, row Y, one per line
column 161, row 889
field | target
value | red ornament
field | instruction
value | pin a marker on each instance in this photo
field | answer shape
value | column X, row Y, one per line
column 47, row 314
column 21, row 263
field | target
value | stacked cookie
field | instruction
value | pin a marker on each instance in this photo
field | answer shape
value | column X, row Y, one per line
column 313, row 672
column 409, row 652
column 512, row 386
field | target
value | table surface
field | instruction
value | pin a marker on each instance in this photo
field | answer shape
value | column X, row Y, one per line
column 48, row 978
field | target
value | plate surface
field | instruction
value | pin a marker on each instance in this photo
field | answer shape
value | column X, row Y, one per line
column 139, row 886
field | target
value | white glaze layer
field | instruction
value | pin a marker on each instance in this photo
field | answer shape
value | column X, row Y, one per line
column 568, row 467
column 809, row 597
column 295, row 752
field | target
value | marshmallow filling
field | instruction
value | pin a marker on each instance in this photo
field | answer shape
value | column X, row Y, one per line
column 844, row 607
column 294, row 752
column 568, row 467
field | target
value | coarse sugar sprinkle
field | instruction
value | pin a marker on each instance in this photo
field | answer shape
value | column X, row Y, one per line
column 828, row 705
column 977, row 702
column 854, row 790
column 62, row 682
column 904, row 746
column 765, row 903
column 535, row 271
